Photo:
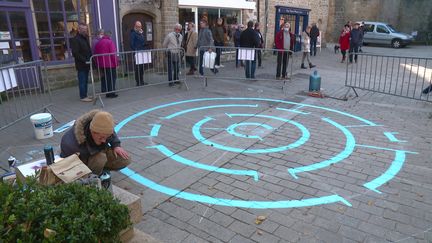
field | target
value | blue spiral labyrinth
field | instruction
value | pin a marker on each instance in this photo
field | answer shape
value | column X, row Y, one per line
column 249, row 128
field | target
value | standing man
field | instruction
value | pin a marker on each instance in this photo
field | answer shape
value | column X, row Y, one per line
column 314, row 33
column 173, row 42
column 93, row 137
column 284, row 42
column 81, row 52
column 138, row 43
column 362, row 31
column 204, row 39
column 107, row 64
column 218, row 36
column 261, row 42
column 250, row 39
column 354, row 42
column 190, row 47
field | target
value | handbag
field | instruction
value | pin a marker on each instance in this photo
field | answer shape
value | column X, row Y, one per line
column 209, row 59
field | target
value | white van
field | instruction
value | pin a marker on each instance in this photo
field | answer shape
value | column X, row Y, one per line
column 383, row 33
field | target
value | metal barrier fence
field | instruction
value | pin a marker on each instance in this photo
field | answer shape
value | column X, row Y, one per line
column 123, row 71
column 394, row 75
column 245, row 64
column 24, row 90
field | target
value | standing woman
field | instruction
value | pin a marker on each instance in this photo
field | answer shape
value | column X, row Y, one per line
column 306, row 47
column 344, row 41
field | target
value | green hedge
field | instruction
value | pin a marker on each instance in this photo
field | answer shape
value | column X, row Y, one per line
column 62, row 213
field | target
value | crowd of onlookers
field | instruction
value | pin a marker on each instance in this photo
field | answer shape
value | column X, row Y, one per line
column 195, row 44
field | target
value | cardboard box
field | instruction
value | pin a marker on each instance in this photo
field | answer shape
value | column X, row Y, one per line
column 63, row 170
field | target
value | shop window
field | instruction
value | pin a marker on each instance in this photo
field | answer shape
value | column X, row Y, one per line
column 186, row 16
column 57, row 23
column 14, row 38
column 231, row 19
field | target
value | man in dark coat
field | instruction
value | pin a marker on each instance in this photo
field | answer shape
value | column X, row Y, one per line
column 93, row 137
column 250, row 39
column 314, row 33
column 81, row 52
column 355, row 41
column 138, row 43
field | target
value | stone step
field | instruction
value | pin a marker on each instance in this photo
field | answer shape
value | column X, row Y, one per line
column 133, row 202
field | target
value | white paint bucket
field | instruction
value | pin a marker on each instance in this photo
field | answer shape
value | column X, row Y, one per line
column 42, row 124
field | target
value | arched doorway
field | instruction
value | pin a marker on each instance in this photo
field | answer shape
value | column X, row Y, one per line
column 128, row 22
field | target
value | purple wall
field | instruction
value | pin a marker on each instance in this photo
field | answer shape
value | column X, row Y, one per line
column 109, row 19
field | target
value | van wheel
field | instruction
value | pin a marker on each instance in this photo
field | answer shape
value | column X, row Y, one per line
column 396, row 43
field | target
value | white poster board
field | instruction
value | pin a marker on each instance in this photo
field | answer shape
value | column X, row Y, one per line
column 7, row 79
column 143, row 57
column 4, row 45
column 246, row 54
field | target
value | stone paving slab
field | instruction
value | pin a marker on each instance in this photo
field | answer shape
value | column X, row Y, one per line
column 398, row 210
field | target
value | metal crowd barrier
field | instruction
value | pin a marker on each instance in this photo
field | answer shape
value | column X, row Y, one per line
column 238, row 61
column 136, row 69
column 394, row 75
column 24, row 90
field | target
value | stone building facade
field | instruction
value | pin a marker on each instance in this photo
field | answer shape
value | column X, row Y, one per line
column 158, row 18
column 266, row 11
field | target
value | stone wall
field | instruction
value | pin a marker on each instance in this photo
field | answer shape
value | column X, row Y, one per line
column 399, row 13
column 422, row 22
column 61, row 76
column 318, row 14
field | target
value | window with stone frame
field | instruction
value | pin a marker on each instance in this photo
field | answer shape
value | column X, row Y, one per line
column 56, row 22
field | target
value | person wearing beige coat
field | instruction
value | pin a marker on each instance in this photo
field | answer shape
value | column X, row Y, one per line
column 190, row 45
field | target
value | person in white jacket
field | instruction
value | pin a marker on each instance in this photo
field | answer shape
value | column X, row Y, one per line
column 306, row 47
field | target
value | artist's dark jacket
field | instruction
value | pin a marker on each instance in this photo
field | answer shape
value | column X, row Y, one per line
column 78, row 139
column 81, row 52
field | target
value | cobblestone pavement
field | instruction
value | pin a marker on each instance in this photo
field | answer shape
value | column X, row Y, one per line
column 209, row 161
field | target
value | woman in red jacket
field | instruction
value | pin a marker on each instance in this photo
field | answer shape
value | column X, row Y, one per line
column 344, row 41
column 107, row 64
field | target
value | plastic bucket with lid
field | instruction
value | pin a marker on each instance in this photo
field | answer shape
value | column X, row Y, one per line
column 42, row 124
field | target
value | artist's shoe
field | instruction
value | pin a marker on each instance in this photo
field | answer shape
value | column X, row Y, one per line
column 311, row 65
column 303, row 66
